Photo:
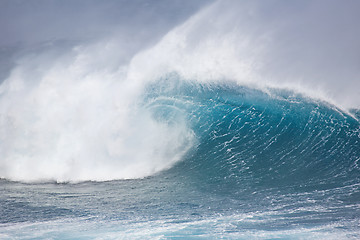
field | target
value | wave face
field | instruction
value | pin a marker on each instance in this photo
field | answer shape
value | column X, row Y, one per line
column 249, row 138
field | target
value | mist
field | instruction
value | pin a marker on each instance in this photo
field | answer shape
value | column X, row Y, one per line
column 32, row 26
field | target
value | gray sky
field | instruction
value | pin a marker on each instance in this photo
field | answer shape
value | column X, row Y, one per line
column 317, row 41
column 24, row 21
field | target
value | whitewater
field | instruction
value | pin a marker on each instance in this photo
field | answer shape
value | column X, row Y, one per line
column 180, row 120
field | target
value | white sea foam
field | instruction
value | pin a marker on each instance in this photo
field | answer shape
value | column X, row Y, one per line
column 69, row 121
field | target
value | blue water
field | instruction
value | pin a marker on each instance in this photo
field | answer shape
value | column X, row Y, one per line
column 274, row 165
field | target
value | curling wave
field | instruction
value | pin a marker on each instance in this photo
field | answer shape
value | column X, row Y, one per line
column 221, row 99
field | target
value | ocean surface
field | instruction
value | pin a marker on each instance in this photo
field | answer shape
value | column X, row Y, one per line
column 196, row 135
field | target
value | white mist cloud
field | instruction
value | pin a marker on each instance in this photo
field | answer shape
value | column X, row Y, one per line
column 307, row 46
